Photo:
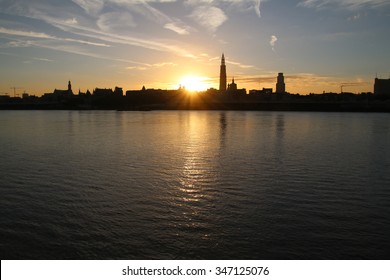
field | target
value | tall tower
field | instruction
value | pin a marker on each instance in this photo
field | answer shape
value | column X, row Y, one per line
column 69, row 87
column 222, row 75
column 280, row 85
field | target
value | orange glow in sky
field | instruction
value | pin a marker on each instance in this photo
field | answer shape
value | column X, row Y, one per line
column 319, row 45
column 195, row 83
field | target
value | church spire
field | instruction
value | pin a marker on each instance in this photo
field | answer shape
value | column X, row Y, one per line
column 222, row 75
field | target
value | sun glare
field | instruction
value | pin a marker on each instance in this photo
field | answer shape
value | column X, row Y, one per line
column 194, row 83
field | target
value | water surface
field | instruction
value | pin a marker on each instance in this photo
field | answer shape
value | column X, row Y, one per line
column 194, row 185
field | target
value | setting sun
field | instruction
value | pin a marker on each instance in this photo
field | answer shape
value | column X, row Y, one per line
column 195, row 83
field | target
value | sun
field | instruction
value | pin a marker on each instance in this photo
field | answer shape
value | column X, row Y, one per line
column 194, row 83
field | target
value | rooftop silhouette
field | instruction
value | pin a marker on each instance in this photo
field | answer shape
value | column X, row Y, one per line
column 227, row 97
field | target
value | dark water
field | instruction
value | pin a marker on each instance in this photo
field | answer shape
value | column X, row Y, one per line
column 194, row 185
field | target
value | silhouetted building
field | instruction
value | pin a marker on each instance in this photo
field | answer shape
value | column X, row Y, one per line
column 232, row 86
column 118, row 91
column 264, row 91
column 108, row 92
column 64, row 92
column 4, row 98
column 87, row 93
column 280, row 85
column 382, row 87
column 222, row 75
column 103, row 92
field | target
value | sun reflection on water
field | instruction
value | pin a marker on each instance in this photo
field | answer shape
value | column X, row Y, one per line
column 195, row 191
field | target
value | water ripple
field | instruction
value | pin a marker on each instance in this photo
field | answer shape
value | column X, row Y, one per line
column 194, row 185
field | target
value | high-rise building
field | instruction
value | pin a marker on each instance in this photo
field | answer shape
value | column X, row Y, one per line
column 382, row 87
column 222, row 75
column 280, row 85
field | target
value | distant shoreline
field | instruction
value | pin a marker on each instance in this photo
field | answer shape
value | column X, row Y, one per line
column 236, row 100
column 261, row 106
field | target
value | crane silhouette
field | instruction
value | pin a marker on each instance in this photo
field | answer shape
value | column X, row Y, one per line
column 15, row 88
column 346, row 85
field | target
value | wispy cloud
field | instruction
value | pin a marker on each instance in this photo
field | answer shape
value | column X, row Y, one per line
column 107, row 22
column 356, row 17
column 348, row 4
column 252, row 5
column 209, row 17
column 72, row 21
column 126, row 40
column 104, row 31
column 25, row 33
column 43, row 59
column 257, row 7
column 211, row 14
column 236, row 5
column 149, row 66
column 91, row 7
column 273, row 41
column 114, row 21
column 140, row 68
column 18, row 44
column 34, row 59
column 39, row 35
column 43, row 40
column 115, row 26
column 123, row 16
column 243, row 66
column 162, row 64
column 176, row 27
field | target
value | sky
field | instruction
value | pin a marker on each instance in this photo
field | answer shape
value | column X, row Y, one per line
column 319, row 45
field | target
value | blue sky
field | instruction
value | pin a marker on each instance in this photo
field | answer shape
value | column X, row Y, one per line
column 318, row 44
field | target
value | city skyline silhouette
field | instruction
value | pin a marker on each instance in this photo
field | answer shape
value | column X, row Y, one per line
column 319, row 45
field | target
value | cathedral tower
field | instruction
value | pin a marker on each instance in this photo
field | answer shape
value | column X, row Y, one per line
column 222, row 75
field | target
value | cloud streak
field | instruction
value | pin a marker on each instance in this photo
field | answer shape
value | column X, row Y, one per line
column 113, row 21
column 39, row 35
column 243, row 66
column 236, row 5
column 178, row 28
column 148, row 66
column 125, row 40
column 91, row 7
column 347, row 4
column 105, row 28
column 273, row 41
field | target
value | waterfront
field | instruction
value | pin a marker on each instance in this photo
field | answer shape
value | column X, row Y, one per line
column 194, row 185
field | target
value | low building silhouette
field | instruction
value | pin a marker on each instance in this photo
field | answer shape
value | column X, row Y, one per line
column 106, row 92
column 59, row 95
column 4, row 98
column 64, row 92
column 102, row 92
column 264, row 91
